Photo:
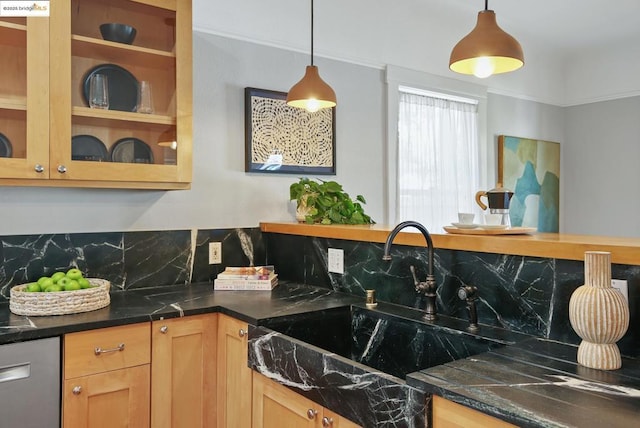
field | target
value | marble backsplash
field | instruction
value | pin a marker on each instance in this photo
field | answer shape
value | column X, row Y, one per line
column 129, row 260
column 524, row 294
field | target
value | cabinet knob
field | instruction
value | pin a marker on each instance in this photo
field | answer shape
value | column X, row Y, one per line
column 327, row 422
column 76, row 390
column 311, row 413
column 164, row 329
column 38, row 168
column 242, row 332
column 62, row 169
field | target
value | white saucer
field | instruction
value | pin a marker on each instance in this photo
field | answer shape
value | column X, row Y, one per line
column 465, row 225
column 494, row 226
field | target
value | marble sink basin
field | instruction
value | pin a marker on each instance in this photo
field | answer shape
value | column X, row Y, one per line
column 354, row 361
column 390, row 339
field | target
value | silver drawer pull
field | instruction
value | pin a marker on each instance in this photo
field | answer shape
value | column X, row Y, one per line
column 76, row 390
column 311, row 413
column 99, row 350
column 242, row 332
column 164, row 329
column 20, row 371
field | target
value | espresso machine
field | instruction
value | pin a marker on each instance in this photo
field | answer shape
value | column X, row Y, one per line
column 498, row 200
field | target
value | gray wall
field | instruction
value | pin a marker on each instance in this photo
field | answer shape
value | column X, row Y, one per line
column 601, row 168
column 224, row 196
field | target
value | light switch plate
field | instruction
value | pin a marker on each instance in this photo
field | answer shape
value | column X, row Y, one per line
column 336, row 260
column 622, row 286
column 215, row 253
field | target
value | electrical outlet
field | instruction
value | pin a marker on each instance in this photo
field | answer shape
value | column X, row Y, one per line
column 215, row 253
column 622, row 286
column 336, row 260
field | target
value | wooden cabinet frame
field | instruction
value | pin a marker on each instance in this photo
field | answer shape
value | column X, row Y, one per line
column 59, row 49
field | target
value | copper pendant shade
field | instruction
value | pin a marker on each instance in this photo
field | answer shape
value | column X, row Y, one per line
column 311, row 92
column 487, row 49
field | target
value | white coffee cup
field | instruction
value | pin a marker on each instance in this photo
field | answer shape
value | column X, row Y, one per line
column 492, row 219
column 466, row 218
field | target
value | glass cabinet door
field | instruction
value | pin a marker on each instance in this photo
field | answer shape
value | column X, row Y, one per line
column 24, row 97
column 143, row 137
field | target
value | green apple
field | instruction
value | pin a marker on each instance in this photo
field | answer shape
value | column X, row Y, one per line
column 63, row 282
column 56, row 276
column 44, row 282
column 33, row 287
column 74, row 273
column 72, row 285
column 84, row 283
column 42, row 279
column 54, row 288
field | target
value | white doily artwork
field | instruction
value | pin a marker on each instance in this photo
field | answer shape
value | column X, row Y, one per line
column 289, row 139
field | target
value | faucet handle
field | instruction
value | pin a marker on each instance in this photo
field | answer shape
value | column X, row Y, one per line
column 413, row 274
column 467, row 292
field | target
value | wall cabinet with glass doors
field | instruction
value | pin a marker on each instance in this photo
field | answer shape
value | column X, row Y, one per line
column 56, row 138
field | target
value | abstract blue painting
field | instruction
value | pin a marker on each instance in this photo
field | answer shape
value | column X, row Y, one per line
column 531, row 169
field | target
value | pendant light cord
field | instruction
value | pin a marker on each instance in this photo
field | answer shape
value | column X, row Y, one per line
column 486, row 4
column 312, row 32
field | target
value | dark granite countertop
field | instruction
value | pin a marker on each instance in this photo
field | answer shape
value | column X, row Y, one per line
column 537, row 383
column 534, row 383
column 150, row 304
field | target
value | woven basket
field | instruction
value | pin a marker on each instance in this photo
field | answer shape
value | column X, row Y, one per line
column 60, row 302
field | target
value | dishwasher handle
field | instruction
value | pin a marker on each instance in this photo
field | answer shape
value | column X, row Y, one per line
column 15, row 372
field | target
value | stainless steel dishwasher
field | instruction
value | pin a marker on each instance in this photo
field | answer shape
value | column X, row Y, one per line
column 30, row 384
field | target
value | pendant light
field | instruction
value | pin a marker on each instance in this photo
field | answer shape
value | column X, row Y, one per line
column 487, row 49
column 311, row 92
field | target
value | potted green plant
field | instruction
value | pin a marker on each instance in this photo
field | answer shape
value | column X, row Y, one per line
column 325, row 202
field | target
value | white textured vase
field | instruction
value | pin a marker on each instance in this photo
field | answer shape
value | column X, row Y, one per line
column 599, row 314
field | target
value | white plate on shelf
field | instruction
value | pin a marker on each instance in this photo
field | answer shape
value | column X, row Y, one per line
column 465, row 225
column 494, row 226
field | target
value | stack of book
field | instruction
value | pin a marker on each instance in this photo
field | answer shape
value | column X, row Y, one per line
column 246, row 278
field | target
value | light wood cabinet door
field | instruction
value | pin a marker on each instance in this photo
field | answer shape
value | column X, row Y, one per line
column 107, row 377
column 57, row 139
column 24, row 99
column 447, row 414
column 183, row 372
column 333, row 420
column 112, row 399
column 276, row 406
column 234, row 375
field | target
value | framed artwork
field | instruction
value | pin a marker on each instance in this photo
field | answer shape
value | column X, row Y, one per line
column 531, row 169
column 284, row 139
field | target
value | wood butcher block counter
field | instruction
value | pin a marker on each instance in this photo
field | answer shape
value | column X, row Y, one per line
column 552, row 245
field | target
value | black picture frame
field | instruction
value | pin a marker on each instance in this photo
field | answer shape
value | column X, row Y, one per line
column 280, row 139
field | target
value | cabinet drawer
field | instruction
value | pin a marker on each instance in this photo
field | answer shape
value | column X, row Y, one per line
column 97, row 351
